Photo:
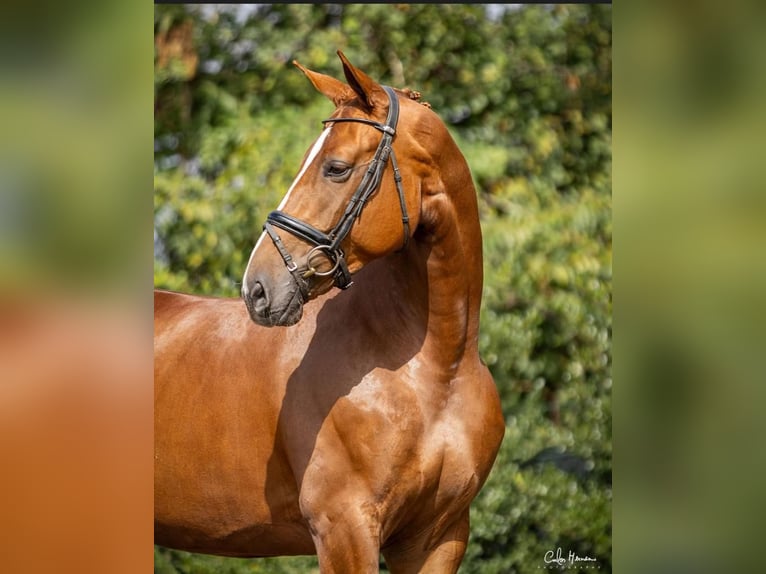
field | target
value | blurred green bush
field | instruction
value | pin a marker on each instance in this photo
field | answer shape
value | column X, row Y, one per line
column 526, row 92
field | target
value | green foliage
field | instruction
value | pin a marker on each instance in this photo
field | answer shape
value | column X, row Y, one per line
column 168, row 561
column 527, row 96
column 209, row 210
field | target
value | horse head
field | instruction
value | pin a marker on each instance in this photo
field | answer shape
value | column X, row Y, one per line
column 356, row 198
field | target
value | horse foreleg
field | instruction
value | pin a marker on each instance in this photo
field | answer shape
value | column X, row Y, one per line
column 346, row 541
column 430, row 552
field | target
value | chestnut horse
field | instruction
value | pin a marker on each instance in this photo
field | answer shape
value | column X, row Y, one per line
column 341, row 422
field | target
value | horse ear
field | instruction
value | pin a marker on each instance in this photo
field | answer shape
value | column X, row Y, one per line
column 361, row 83
column 334, row 89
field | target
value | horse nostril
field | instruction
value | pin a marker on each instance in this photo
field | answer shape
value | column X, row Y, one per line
column 259, row 299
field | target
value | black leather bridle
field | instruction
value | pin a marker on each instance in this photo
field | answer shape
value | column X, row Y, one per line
column 329, row 243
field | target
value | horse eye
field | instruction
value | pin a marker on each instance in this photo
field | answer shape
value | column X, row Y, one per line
column 337, row 170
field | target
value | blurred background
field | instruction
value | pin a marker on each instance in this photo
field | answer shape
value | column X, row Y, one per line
column 526, row 92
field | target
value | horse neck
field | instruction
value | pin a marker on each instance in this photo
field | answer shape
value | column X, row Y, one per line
column 436, row 284
column 450, row 223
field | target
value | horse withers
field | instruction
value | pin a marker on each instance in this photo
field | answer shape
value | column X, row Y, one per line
column 344, row 422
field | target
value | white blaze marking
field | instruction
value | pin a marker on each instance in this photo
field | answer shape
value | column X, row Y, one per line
column 312, row 154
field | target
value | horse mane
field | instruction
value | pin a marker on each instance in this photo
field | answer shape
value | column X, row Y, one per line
column 413, row 95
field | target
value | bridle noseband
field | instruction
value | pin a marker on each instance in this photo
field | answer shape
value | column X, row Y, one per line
column 329, row 243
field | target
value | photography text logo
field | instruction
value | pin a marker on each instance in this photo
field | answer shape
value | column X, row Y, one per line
column 556, row 560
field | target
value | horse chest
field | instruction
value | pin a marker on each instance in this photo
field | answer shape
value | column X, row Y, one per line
column 400, row 436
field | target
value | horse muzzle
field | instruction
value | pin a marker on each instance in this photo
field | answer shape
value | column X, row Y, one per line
column 274, row 305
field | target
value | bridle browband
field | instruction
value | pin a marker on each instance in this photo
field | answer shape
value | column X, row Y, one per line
column 329, row 243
